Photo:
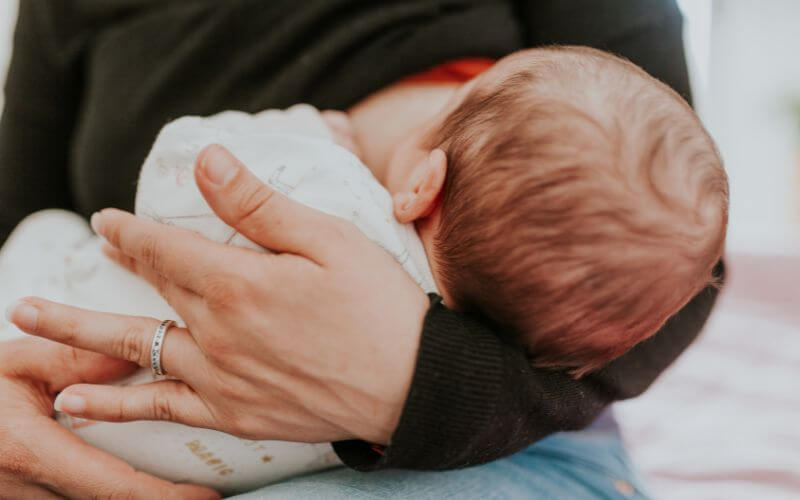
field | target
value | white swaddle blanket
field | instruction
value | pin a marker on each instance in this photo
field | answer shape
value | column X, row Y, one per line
column 54, row 254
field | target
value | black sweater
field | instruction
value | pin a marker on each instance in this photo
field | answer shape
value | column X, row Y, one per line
column 91, row 82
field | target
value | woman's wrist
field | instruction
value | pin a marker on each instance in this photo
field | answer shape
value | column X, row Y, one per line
column 461, row 368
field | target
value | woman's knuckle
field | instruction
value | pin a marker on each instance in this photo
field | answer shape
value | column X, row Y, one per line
column 118, row 409
column 70, row 329
column 131, row 344
column 162, row 407
column 149, row 251
column 253, row 198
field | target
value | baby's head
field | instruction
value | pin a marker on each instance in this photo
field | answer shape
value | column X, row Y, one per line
column 570, row 197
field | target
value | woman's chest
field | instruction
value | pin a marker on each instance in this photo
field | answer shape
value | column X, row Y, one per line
column 198, row 58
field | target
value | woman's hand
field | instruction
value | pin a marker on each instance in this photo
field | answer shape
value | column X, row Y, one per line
column 317, row 342
column 41, row 459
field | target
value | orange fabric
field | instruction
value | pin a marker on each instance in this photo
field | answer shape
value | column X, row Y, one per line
column 460, row 70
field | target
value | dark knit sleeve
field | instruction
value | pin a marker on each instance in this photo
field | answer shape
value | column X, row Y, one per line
column 36, row 127
column 649, row 33
column 474, row 397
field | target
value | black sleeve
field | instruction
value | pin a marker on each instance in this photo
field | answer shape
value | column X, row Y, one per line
column 649, row 33
column 37, row 122
column 475, row 398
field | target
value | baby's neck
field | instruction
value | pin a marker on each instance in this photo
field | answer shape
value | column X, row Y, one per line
column 382, row 120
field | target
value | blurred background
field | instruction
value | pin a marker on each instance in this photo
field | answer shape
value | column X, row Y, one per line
column 722, row 422
column 746, row 77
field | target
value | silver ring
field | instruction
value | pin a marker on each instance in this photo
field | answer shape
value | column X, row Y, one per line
column 158, row 343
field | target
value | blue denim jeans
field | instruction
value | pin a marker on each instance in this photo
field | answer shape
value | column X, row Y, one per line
column 591, row 464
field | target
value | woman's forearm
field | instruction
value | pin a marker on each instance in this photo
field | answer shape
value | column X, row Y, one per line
column 475, row 398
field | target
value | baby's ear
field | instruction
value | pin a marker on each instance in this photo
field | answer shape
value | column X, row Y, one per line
column 424, row 187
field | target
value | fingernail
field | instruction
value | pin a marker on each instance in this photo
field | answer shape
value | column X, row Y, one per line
column 95, row 222
column 23, row 315
column 69, row 403
column 218, row 165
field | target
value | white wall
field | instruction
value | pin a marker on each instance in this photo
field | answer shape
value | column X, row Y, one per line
column 754, row 72
column 745, row 69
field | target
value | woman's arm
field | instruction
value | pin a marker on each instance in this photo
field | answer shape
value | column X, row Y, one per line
column 41, row 96
column 311, row 344
column 475, row 398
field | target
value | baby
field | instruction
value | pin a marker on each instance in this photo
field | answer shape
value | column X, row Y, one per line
column 563, row 194
column 570, row 198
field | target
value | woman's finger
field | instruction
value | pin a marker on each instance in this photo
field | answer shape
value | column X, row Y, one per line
column 66, row 365
column 180, row 255
column 78, row 470
column 116, row 335
column 184, row 301
column 170, row 400
column 12, row 490
column 263, row 215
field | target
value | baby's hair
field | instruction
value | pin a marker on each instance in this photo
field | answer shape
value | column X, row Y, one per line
column 584, row 205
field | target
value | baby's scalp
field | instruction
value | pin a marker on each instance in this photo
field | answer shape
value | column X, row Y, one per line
column 584, row 204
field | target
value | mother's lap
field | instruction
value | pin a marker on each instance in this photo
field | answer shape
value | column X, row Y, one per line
column 575, row 465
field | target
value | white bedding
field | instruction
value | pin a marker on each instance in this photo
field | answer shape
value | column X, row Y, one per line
column 724, row 421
